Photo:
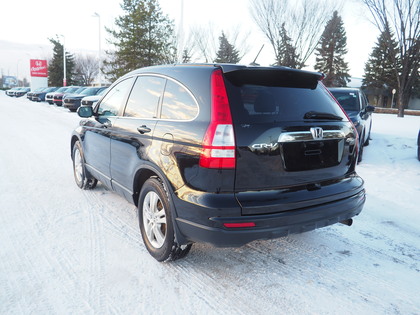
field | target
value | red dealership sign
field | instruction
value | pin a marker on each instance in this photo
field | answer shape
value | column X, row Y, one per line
column 39, row 68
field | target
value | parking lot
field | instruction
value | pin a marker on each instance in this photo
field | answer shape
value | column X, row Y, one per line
column 64, row 250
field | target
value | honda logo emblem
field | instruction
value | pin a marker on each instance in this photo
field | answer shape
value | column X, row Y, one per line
column 317, row 133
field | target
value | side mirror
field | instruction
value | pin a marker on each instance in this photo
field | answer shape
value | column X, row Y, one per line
column 370, row 108
column 85, row 111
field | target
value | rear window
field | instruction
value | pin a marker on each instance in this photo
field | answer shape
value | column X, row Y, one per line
column 253, row 103
column 348, row 100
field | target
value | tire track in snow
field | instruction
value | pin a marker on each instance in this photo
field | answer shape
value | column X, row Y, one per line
column 96, row 255
column 42, row 257
column 11, row 301
column 199, row 287
column 98, row 249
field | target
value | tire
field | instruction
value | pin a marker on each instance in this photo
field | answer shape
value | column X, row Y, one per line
column 156, row 225
column 360, row 156
column 368, row 137
column 82, row 178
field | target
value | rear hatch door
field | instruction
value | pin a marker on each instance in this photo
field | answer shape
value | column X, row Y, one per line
column 290, row 134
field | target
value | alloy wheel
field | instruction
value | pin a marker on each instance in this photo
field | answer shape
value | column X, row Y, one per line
column 154, row 219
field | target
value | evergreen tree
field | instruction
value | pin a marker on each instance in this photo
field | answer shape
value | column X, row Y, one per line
column 144, row 37
column 186, row 57
column 227, row 52
column 380, row 68
column 56, row 67
column 287, row 55
column 330, row 53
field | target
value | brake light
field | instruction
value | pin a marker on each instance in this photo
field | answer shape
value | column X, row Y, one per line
column 219, row 140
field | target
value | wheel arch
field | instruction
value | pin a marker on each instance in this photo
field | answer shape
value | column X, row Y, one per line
column 74, row 139
column 141, row 176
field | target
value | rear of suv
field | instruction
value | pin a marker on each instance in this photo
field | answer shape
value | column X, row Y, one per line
column 222, row 154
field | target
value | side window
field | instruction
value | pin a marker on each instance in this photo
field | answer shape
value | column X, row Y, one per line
column 144, row 97
column 113, row 100
column 178, row 104
column 364, row 100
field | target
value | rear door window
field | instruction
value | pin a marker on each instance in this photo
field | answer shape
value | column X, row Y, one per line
column 145, row 96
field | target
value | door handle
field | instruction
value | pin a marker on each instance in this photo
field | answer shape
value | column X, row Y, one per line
column 143, row 129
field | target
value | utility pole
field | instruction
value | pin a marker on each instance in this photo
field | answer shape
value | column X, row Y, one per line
column 99, row 51
column 64, row 61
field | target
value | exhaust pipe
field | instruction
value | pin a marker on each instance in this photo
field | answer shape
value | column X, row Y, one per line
column 347, row 222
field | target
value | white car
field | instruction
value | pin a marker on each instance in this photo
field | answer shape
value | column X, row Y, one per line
column 49, row 97
column 93, row 99
column 12, row 91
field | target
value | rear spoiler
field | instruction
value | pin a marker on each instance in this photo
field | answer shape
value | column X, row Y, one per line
column 272, row 76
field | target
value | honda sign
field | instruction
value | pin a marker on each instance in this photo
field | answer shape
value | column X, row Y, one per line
column 39, row 68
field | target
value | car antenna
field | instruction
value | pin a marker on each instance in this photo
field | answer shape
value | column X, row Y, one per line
column 254, row 62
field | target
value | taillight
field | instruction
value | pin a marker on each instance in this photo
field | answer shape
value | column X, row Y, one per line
column 219, row 140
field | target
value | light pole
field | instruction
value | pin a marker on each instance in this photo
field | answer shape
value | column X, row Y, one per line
column 99, row 51
column 64, row 61
column 392, row 99
column 17, row 71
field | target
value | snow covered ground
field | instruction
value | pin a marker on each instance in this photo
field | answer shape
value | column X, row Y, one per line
column 64, row 250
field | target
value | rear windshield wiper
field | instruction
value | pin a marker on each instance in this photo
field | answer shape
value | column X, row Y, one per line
column 321, row 115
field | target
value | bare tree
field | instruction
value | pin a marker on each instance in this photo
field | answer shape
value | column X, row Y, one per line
column 86, row 69
column 304, row 21
column 204, row 42
column 403, row 17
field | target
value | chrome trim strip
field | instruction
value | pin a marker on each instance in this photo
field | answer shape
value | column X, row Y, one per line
column 97, row 171
column 298, row 136
column 136, row 75
column 108, row 178
column 119, row 185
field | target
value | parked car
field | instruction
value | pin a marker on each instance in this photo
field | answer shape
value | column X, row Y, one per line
column 73, row 101
column 21, row 92
column 58, row 97
column 92, row 100
column 40, row 96
column 12, row 92
column 49, row 97
column 30, row 93
column 355, row 103
column 222, row 154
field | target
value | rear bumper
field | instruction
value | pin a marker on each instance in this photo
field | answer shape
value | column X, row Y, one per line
column 273, row 225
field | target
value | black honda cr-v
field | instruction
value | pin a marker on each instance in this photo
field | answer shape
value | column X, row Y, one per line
column 223, row 154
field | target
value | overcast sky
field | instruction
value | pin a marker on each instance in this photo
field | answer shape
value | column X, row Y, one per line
column 26, row 25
